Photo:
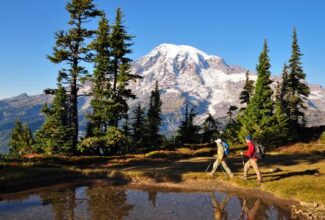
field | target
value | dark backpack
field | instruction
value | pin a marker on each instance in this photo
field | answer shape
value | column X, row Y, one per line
column 259, row 151
column 226, row 148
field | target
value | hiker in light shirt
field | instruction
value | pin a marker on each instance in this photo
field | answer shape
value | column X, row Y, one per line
column 221, row 159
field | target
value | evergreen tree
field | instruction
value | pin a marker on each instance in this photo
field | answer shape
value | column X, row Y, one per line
column 120, row 43
column 248, row 89
column 21, row 139
column 283, row 88
column 126, row 126
column 258, row 117
column 154, row 117
column 101, row 86
column 71, row 49
column 110, row 80
column 55, row 135
column 230, row 113
column 298, row 90
column 280, row 127
column 138, row 127
column 188, row 132
column 109, row 143
column 232, row 128
column 210, row 129
column 126, row 130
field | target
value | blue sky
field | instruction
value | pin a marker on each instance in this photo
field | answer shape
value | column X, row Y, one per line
column 232, row 29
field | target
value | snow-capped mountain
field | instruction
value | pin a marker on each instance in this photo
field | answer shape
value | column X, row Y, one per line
column 184, row 73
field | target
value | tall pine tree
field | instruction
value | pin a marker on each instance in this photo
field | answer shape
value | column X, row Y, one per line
column 154, row 117
column 258, row 117
column 101, row 84
column 120, row 43
column 71, row 49
column 297, row 89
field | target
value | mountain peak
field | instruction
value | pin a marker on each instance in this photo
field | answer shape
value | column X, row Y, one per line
column 173, row 51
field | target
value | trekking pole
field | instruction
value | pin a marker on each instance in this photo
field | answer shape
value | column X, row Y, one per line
column 208, row 166
column 224, row 173
column 242, row 159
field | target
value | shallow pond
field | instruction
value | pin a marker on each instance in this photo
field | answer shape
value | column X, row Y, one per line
column 102, row 201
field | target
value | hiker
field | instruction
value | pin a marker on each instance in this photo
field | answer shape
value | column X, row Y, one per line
column 252, row 161
column 221, row 159
column 219, row 212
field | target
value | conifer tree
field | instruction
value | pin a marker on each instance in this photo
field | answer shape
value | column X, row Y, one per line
column 72, row 50
column 282, row 94
column 21, row 139
column 154, row 117
column 120, row 43
column 298, row 90
column 101, row 84
column 280, row 127
column 55, row 135
column 230, row 113
column 258, row 117
column 248, row 89
column 210, row 129
column 138, row 129
column 126, row 130
column 126, row 126
column 188, row 132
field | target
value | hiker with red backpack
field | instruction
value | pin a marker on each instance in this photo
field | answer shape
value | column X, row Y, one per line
column 223, row 151
column 253, row 156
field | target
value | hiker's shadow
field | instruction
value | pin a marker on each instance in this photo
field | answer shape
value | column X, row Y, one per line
column 273, row 177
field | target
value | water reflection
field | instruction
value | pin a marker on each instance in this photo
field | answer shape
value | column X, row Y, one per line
column 102, row 201
column 63, row 202
column 251, row 213
column 219, row 212
column 152, row 197
column 106, row 202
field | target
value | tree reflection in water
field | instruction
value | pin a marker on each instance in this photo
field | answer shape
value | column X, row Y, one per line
column 63, row 202
column 106, row 202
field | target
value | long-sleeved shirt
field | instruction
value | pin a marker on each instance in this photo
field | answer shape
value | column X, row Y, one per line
column 251, row 150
